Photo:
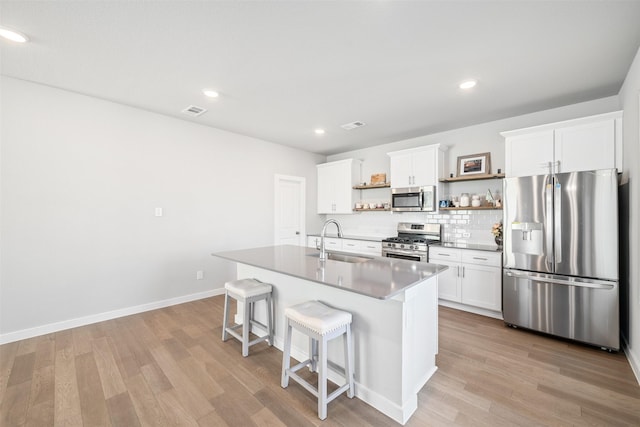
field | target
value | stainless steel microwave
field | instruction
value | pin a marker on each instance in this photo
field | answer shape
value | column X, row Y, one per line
column 413, row 199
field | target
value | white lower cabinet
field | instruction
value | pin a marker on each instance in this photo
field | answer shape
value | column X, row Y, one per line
column 449, row 286
column 365, row 247
column 313, row 241
column 330, row 243
column 474, row 278
column 356, row 246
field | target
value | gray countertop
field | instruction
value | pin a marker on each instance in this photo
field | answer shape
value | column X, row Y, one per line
column 474, row 246
column 345, row 236
column 378, row 277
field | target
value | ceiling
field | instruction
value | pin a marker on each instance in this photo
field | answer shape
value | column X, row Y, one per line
column 284, row 69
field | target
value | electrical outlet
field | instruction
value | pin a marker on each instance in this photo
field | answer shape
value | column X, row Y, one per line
column 199, row 275
column 466, row 234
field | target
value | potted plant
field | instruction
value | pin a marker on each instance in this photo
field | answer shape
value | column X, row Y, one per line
column 497, row 232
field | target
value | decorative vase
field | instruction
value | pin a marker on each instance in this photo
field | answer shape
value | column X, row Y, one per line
column 499, row 240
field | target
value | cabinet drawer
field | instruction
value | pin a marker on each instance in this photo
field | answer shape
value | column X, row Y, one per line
column 333, row 243
column 492, row 259
column 444, row 254
column 351, row 245
column 362, row 247
column 371, row 248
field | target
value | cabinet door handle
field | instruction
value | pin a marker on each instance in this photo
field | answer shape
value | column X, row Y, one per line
column 482, row 259
column 443, row 254
column 463, row 271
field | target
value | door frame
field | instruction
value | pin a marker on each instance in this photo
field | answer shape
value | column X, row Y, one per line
column 277, row 179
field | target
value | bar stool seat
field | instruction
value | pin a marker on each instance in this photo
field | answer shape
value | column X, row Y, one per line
column 321, row 324
column 248, row 292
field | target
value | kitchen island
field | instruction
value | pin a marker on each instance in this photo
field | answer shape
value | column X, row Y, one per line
column 394, row 304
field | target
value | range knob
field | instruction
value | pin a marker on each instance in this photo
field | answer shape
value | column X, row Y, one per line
column 402, row 246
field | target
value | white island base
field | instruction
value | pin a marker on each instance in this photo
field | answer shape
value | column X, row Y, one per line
column 395, row 339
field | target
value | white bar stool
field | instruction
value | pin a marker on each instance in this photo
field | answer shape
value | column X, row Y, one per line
column 321, row 324
column 247, row 291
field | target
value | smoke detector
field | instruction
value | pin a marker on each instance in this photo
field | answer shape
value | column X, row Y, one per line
column 194, row 111
column 352, row 125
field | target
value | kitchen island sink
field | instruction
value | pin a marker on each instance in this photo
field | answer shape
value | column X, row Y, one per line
column 335, row 256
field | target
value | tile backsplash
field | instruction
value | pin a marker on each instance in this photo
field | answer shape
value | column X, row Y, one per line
column 464, row 226
column 467, row 226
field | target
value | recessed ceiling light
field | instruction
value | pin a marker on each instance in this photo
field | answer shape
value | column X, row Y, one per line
column 12, row 35
column 210, row 93
column 468, row 84
column 319, row 131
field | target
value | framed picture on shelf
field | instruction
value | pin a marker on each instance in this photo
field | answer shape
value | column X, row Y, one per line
column 474, row 164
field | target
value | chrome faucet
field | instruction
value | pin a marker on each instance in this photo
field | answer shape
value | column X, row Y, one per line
column 323, row 251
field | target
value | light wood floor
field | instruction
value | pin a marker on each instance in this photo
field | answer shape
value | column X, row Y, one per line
column 169, row 367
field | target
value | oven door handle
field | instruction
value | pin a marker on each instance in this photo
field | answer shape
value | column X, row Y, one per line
column 404, row 253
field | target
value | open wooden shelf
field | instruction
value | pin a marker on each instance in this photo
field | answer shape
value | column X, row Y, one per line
column 473, row 177
column 471, row 208
column 372, row 186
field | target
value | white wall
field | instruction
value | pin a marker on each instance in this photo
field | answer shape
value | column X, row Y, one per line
column 81, row 178
column 629, row 101
column 460, row 142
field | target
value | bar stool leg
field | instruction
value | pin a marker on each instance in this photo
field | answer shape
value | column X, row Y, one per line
column 226, row 315
column 286, row 358
column 348, row 360
column 269, row 320
column 313, row 355
column 246, row 328
column 322, row 378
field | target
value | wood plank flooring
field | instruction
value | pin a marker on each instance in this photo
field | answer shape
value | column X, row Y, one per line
column 169, row 367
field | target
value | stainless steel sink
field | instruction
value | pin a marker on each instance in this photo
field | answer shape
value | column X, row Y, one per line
column 342, row 257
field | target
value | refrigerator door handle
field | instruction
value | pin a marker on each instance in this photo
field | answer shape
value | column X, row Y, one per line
column 548, row 230
column 557, row 221
column 585, row 283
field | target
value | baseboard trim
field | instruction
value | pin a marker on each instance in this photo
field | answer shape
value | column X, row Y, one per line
column 471, row 309
column 634, row 362
column 101, row 317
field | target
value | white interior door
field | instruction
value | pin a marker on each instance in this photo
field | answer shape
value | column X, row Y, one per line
column 289, row 210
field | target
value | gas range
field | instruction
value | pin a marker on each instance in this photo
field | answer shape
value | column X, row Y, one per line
column 412, row 241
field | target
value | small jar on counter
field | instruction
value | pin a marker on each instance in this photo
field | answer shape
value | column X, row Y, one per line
column 464, row 200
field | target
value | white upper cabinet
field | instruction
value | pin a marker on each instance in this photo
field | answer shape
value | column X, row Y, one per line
column 576, row 145
column 335, row 186
column 528, row 154
column 586, row 147
column 417, row 166
column 401, row 170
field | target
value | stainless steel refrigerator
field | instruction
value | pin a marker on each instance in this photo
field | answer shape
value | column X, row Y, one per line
column 561, row 255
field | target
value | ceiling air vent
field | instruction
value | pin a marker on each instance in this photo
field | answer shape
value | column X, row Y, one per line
column 194, row 111
column 352, row 125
